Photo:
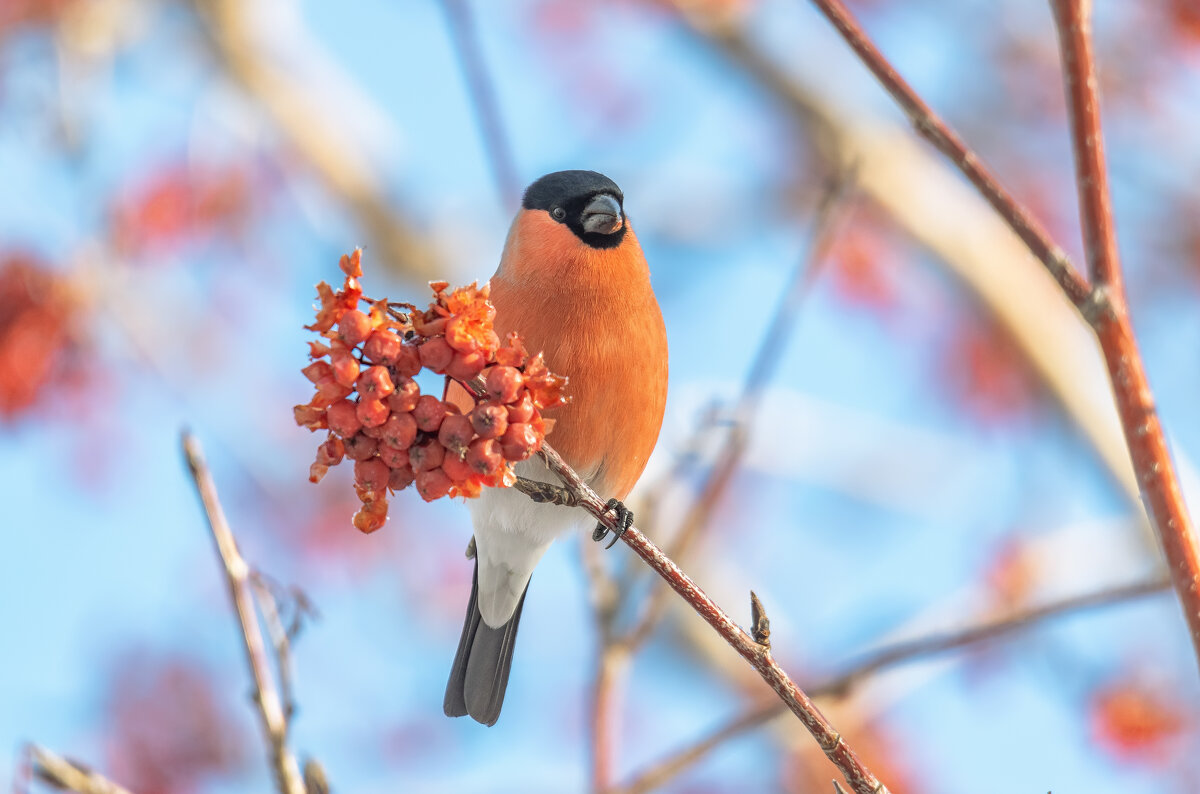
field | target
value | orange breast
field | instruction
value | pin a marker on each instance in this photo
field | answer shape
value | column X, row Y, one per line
column 594, row 315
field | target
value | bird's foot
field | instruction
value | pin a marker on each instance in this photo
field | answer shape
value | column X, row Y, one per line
column 624, row 522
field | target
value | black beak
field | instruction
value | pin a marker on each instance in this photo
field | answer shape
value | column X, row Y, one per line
column 602, row 215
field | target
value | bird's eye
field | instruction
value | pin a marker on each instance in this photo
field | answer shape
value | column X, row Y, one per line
column 559, row 213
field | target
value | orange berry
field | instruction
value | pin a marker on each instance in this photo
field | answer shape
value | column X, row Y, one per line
column 343, row 418
column 433, row 484
column 354, row 327
column 392, row 457
column 465, row 366
column 375, row 383
column 372, row 413
column 456, row 468
column 483, row 456
column 360, row 447
column 426, row 456
column 519, row 441
column 401, row 478
column 408, row 361
column 436, row 354
column 521, row 410
column 382, row 346
column 399, row 431
column 371, row 516
column 345, row 368
column 316, row 472
column 504, row 383
column 429, row 413
column 405, row 396
column 489, row 421
column 372, row 474
column 456, row 433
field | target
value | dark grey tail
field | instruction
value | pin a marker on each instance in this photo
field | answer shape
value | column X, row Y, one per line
column 480, row 672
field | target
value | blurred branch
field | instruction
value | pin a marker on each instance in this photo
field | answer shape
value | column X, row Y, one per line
column 959, row 227
column 281, row 633
column 825, row 226
column 313, row 133
column 65, row 774
column 237, row 572
column 483, row 99
column 932, row 128
column 1108, row 314
column 835, row 747
column 886, row 657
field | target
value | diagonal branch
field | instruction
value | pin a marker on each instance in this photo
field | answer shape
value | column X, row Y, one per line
column 237, row 573
column 934, row 129
column 886, row 657
column 67, row 775
column 861, row 780
column 1109, row 317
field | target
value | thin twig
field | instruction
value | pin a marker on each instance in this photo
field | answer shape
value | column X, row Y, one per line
column 483, row 98
column 1109, row 316
column 825, row 226
column 237, row 573
column 66, row 774
column 935, row 130
column 281, row 634
column 887, row 657
column 861, row 780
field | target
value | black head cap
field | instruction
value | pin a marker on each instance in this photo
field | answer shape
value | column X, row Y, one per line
column 570, row 197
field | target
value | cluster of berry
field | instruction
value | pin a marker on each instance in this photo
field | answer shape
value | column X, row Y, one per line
column 376, row 415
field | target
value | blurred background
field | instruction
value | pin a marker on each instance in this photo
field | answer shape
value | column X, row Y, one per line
column 929, row 443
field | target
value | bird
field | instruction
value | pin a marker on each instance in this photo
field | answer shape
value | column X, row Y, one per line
column 574, row 283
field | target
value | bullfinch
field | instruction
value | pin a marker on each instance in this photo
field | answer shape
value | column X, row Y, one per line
column 573, row 281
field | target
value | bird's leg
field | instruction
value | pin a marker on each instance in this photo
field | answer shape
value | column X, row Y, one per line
column 624, row 522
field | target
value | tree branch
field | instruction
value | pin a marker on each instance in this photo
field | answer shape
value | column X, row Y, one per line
column 237, row 574
column 1109, row 316
column 933, row 129
column 861, row 780
column 483, row 98
column 68, row 775
column 886, row 657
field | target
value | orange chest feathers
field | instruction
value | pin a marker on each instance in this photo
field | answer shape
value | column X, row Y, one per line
column 594, row 315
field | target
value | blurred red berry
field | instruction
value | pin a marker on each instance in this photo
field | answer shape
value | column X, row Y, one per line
column 316, row 472
column 371, row 516
column 408, row 361
column 393, row 458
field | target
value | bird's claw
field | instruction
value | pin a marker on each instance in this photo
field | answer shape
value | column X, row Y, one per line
column 624, row 522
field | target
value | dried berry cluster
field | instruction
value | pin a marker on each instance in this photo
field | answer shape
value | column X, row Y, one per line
column 376, row 415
